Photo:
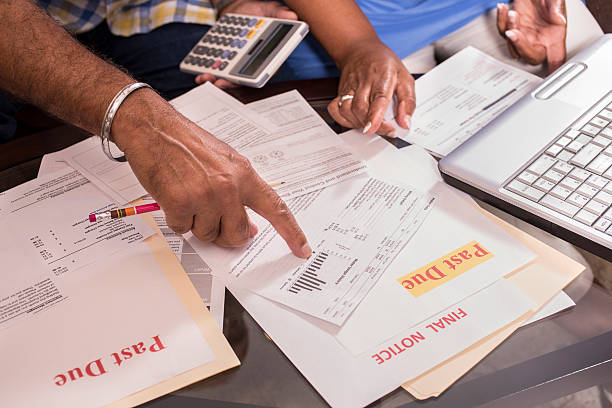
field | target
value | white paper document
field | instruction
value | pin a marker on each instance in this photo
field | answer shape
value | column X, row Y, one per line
column 346, row 380
column 107, row 333
column 459, row 97
column 49, row 216
column 116, row 179
column 301, row 150
column 356, row 229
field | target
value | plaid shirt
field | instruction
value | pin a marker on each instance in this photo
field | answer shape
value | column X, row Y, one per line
column 127, row 17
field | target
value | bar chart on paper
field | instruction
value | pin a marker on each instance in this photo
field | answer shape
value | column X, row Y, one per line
column 353, row 251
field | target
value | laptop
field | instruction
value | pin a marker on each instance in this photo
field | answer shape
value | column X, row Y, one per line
column 548, row 158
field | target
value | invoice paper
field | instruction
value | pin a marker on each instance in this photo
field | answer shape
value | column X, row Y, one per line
column 50, row 214
column 283, row 137
column 302, row 150
column 459, row 97
column 120, row 327
column 210, row 289
column 356, row 229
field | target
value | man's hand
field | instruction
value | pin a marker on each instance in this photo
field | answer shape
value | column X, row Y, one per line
column 261, row 8
column 372, row 73
column 201, row 183
column 535, row 30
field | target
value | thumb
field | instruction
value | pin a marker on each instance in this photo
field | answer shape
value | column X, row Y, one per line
column 277, row 10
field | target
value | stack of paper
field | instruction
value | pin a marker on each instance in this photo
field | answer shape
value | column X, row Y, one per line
column 409, row 283
column 85, row 307
column 442, row 291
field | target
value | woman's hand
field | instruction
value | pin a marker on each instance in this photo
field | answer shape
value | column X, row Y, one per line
column 373, row 75
column 535, row 30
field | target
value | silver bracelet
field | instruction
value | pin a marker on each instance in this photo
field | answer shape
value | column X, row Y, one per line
column 110, row 115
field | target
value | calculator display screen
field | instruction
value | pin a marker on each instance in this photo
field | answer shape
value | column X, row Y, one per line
column 261, row 56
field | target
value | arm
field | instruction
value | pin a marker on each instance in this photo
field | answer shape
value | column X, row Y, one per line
column 369, row 70
column 201, row 183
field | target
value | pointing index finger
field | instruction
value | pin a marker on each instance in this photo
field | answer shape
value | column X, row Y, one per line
column 262, row 199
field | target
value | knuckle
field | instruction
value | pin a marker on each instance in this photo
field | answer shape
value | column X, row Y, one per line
column 280, row 208
column 206, row 234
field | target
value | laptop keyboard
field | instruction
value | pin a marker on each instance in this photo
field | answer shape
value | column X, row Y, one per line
column 574, row 175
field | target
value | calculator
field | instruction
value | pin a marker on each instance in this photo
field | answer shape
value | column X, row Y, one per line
column 243, row 49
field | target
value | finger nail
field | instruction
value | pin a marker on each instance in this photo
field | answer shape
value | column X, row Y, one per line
column 511, row 35
column 391, row 134
column 367, row 127
column 408, row 120
column 500, row 5
column 306, row 250
column 563, row 18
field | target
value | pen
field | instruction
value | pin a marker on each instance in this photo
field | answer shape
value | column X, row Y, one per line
column 139, row 209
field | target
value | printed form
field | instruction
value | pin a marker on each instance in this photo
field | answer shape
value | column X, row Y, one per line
column 356, row 229
column 46, row 227
column 459, row 97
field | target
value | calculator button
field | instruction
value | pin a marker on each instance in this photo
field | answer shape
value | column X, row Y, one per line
column 234, row 42
column 242, row 21
column 241, row 44
column 227, row 41
column 232, row 55
column 210, row 52
column 259, row 23
column 209, row 63
column 233, row 20
column 200, row 50
column 223, row 66
column 235, row 30
column 252, row 22
column 243, row 32
column 200, row 62
column 251, row 34
column 218, row 52
column 224, row 19
column 226, row 54
column 216, row 64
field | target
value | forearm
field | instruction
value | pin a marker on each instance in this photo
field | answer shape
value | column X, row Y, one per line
column 338, row 25
column 43, row 65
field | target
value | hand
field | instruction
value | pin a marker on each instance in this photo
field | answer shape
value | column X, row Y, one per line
column 201, row 183
column 535, row 30
column 372, row 73
column 272, row 9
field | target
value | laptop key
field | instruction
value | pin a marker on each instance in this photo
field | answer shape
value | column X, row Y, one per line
column 586, row 217
column 524, row 190
column 586, row 155
column 562, row 167
column 606, row 114
column 560, row 192
column 579, row 200
column 527, row 178
column 597, row 181
column 565, row 155
column 600, row 164
column 558, row 205
column 602, row 224
column 608, row 214
column 574, row 146
column 541, row 165
column 544, row 185
column 602, row 123
column 554, row 150
column 572, row 133
column 554, row 176
column 590, row 129
column 584, row 139
column 570, row 183
column 602, row 141
column 587, row 190
column 603, row 198
column 580, row 174
column 596, row 207
column 563, row 141
column 607, row 132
